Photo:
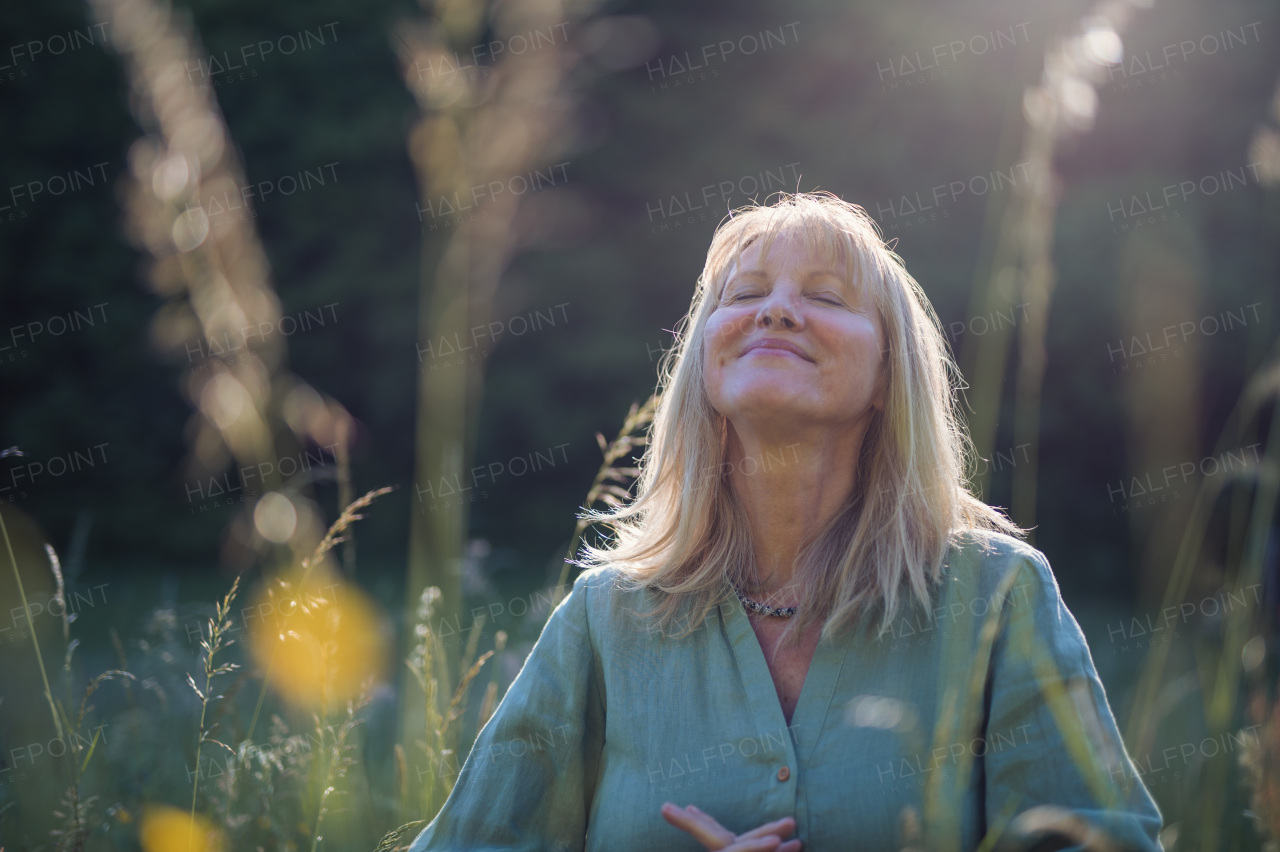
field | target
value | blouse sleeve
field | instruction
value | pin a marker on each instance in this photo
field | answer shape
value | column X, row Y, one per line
column 528, row 781
column 1048, row 707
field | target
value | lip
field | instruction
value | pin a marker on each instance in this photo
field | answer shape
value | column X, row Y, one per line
column 776, row 343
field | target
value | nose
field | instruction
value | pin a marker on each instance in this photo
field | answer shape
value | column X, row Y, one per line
column 778, row 308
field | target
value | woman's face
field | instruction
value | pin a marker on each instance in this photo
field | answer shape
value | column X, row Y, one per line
column 821, row 362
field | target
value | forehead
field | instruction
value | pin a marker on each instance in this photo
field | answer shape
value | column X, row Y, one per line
column 766, row 252
column 804, row 250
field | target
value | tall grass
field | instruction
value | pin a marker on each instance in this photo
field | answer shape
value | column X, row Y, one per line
column 211, row 644
column 463, row 139
column 73, row 812
column 1061, row 105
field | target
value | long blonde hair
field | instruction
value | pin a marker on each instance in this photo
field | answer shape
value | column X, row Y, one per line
column 683, row 534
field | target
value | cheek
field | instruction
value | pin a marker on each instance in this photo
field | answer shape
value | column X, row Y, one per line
column 721, row 331
column 861, row 362
column 710, row 348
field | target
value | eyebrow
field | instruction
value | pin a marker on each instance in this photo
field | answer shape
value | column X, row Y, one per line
column 760, row 274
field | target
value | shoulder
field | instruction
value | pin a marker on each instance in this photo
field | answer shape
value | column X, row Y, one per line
column 990, row 545
column 985, row 567
column 603, row 595
column 983, row 559
column 624, row 611
column 602, row 586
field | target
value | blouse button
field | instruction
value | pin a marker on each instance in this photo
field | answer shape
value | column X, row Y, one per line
column 784, row 773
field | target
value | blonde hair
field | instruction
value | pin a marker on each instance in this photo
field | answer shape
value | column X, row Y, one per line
column 682, row 539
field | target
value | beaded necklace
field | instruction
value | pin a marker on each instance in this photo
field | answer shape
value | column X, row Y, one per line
column 764, row 609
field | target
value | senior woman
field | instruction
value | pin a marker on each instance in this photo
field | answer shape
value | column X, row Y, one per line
column 805, row 628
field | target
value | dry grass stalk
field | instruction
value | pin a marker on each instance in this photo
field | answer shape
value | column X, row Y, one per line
column 475, row 130
column 607, row 487
column 213, row 272
column 211, row 644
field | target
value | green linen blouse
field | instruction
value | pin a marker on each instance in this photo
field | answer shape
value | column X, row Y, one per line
column 607, row 720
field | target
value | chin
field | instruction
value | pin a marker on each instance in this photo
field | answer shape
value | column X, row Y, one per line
column 770, row 397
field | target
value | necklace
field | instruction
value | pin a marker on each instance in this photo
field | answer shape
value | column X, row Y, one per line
column 764, row 609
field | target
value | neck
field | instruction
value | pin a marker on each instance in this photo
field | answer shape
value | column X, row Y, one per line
column 789, row 492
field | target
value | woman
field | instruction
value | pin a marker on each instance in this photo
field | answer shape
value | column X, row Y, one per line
column 787, row 627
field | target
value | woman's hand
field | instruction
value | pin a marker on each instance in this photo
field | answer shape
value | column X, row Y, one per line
column 769, row 837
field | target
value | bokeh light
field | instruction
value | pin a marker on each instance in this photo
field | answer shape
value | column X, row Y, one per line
column 321, row 638
column 166, row 829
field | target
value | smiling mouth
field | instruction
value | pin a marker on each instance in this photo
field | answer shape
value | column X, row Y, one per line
column 777, row 350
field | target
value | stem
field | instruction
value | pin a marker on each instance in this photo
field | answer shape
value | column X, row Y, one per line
column 637, row 418
column 204, row 706
column 262, row 692
column 35, row 642
column 195, row 785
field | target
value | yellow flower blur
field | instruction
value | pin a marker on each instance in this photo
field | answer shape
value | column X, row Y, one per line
column 166, row 829
column 320, row 639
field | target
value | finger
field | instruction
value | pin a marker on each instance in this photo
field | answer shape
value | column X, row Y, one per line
column 722, row 835
column 790, row 846
column 767, row 843
column 703, row 827
column 781, row 827
column 712, row 834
